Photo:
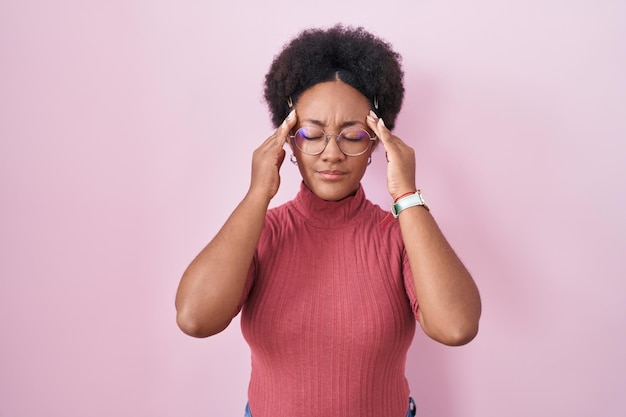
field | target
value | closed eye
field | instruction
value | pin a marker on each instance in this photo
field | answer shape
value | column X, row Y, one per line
column 306, row 137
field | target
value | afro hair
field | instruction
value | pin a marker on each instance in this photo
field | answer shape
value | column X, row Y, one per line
column 353, row 55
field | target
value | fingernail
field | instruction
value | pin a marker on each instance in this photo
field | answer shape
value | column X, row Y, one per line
column 291, row 113
column 381, row 121
column 372, row 115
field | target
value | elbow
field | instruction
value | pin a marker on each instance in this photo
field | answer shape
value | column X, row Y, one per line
column 199, row 327
column 458, row 337
column 455, row 333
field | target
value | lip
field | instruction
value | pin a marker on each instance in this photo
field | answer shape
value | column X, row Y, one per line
column 331, row 174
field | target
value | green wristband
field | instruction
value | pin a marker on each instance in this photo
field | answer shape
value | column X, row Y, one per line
column 409, row 201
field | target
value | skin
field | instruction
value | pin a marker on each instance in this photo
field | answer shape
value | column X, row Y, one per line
column 211, row 287
column 332, row 175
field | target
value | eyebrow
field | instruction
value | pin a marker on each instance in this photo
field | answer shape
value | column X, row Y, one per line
column 345, row 124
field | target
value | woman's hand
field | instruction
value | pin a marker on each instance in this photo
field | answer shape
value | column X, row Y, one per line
column 268, row 158
column 400, row 158
column 210, row 290
column 449, row 302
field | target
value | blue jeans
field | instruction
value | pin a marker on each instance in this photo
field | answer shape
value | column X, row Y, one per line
column 409, row 413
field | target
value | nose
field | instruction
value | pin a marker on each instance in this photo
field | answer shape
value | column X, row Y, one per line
column 332, row 152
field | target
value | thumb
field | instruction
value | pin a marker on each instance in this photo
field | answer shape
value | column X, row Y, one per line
column 281, row 158
column 290, row 121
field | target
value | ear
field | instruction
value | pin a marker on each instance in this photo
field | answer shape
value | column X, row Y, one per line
column 289, row 141
column 374, row 146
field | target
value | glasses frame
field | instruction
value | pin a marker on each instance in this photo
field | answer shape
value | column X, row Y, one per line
column 327, row 137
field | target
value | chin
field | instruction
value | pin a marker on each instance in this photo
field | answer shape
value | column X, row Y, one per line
column 333, row 192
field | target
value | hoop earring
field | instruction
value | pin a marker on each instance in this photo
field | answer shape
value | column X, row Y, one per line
column 293, row 160
column 369, row 160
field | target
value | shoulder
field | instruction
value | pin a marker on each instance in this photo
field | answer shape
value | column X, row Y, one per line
column 278, row 219
column 279, row 212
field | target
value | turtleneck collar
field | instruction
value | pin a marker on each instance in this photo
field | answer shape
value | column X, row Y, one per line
column 329, row 214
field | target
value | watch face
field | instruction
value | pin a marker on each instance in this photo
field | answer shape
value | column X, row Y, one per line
column 423, row 201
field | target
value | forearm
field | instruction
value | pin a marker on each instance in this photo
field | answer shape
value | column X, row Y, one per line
column 211, row 287
column 449, row 301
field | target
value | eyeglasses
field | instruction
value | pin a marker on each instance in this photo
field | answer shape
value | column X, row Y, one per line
column 352, row 141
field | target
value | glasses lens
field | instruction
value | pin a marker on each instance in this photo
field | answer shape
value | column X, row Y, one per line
column 310, row 139
column 354, row 141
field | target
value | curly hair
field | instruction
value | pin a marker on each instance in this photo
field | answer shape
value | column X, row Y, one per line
column 353, row 55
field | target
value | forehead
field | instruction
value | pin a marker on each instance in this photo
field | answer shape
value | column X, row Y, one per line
column 332, row 102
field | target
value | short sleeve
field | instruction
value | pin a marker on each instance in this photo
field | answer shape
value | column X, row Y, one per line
column 249, row 282
column 409, row 284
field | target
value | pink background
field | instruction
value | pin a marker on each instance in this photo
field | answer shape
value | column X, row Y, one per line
column 126, row 132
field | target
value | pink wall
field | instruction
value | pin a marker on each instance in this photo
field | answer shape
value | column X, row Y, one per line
column 126, row 132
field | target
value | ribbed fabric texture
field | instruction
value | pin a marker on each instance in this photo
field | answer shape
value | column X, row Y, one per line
column 329, row 312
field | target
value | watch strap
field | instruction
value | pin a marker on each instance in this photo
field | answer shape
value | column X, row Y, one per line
column 412, row 200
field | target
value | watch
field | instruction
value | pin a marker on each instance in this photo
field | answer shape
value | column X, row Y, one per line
column 416, row 199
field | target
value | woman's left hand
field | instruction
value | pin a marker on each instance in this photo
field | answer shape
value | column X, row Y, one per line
column 400, row 158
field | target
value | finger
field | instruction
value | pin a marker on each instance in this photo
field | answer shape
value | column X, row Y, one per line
column 378, row 126
column 282, row 133
column 372, row 122
column 281, row 158
column 385, row 135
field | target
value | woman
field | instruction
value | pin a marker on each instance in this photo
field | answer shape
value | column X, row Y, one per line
column 329, row 283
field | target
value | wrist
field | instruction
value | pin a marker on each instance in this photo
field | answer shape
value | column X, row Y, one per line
column 404, row 201
column 259, row 195
column 400, row 196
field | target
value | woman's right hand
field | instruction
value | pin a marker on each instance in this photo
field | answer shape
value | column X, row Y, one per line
column 268, row 158
column 211, row 288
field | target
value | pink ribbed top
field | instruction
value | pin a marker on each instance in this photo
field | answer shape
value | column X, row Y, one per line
column 329, row 312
